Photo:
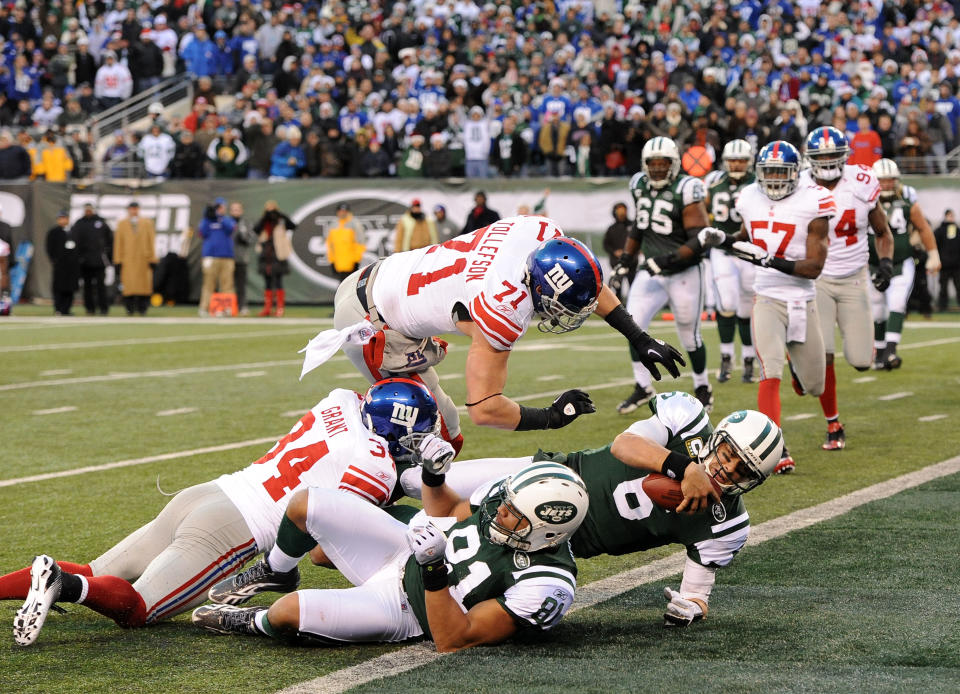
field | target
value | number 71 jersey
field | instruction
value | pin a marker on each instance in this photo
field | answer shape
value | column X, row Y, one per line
column 780, row 227
column 417, row 292
column 330, row 448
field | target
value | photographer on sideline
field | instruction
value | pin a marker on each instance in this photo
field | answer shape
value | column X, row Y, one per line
column 216, row 230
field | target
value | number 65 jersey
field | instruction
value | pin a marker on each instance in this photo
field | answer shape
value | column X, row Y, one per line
column 417, row 292
column 329, row 447
column 780, row 227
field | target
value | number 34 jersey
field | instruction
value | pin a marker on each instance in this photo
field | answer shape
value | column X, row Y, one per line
column 855, row 194
column 417, row 292
column 780, row 227
column 329, row 447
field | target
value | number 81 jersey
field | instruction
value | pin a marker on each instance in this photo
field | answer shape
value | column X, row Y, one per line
column 330, row 448
column 417, row 292
column 855, row 194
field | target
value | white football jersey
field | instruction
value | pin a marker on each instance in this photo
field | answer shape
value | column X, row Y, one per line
column 856, row 193
column 329, row 447
column 780, row 226
column 416, row 292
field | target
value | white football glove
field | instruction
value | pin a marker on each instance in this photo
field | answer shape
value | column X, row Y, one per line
column 436, row 454
column 680, row 612
column 427, row 542
column 750, row 252
column 932, row 265
column 710, row 237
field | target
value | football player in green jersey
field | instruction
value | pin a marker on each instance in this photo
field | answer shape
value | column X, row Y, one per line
column 732, row 277
column 904, row 217
column 669, row 216
column 676, row 440
column 503, row 564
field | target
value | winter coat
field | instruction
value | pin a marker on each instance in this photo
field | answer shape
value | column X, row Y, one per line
column 343, row 250
column 94, row 241
column 134, row 251
column 267, row 263
column 65, row 258
column 217, row 235
column 280, row 160
column 414, row 233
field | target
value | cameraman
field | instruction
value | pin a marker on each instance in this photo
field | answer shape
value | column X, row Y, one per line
column 216, row 230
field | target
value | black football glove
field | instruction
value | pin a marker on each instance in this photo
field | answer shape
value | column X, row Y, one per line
column 620, row 272
column 653, row 351
column 881, row 278
column 568, row 406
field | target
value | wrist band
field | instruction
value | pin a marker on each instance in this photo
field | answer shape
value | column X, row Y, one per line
column 532, row 418
column 675, row 465
column 432, row 480
column 434, row 576
column 786, row 266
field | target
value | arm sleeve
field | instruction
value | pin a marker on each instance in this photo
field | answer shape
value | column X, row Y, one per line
column 692, row 191
column 541, row 597
column 652, row 429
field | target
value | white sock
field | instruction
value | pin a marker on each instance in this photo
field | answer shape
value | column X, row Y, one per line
column 700, row 379
column 893, row 337
column 641, row 375
column 280, row 561
column 879, row 345
column 726, row 349
column 748, row 352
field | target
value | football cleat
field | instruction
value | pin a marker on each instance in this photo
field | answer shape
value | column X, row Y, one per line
column 45, row 583
column 836, row 439
column 227, row 619
column 747, row 370
column 259, row 578
column 705, row 395
column 786, row 463
column 892, row 361
column 639, row 396
column 726, row 368
column 880, row 359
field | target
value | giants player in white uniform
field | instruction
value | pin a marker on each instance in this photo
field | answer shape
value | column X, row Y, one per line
column 843, row 296
column 346, row 442
column 4, row 278
column 784, row 232
column 488, row 284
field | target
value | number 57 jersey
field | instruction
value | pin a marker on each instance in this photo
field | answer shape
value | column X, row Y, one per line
column 329, row 447
column 780, row 227
column 417, row 292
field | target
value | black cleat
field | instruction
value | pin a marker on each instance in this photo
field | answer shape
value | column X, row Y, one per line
column 639, row 396
column 836, row 439
column 705, row 395
column 227, row 619
column 726, row 368
column 747, row 370
column 892, row 361
column 259, row 578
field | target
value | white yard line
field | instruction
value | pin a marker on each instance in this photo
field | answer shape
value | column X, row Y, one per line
column 798, row 417
column 152, row 340
column 865, row 379
column 250, row 374
column 895, row 396
column 410, row 657
column 55, row 410
column 56, row 372
column 24, row 322
column 179, row 410
column 932, row 417
column 550, row 377
column 929, row 343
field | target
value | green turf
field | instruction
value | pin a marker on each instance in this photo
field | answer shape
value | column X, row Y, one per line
column 606, row 647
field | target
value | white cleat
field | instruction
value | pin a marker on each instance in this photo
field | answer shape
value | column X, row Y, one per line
column 45, row 582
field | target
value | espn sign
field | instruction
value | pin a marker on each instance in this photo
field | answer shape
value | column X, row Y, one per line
column 170, row 212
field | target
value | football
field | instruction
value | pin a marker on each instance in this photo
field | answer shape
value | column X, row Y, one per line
column 665, row 491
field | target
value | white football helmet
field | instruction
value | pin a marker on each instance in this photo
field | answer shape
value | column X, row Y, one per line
column 888, row 173
column 549, row 496
column 660, row 148
column 737, row 150
column 755, row 438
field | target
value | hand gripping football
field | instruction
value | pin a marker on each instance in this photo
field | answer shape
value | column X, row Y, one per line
column 665, row 491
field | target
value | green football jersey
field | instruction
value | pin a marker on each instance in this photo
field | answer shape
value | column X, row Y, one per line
column 898, row 218
column 623, row 519
column 722, row 195
column 659, row 221
column 536, row 588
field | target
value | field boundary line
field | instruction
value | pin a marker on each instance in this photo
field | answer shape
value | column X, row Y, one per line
column 416, row 655
column 133, row 341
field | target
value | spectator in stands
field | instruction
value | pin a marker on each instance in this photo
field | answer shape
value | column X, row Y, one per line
column 188, row 157
column 480, row 215
column 411, row 160
column 135, row 258
column 288, row 158
column 865, row 147
column 118, row 150
column 476, row 144
column 217, row 230
column 157, row 150
column 52, row 161
column 113, row 82
column 95, row 247
column 375, row 162
column 509, row 153
column 86, row 64
column 414, row 229
column 261, row 141
column 948, row 245
column 227, row 155
column 200, row 56
column 14, row 160
column 61, row 69
column 344, row 249
column 146, row 61
column 940, row 134
column 913, row 148
column 552, row 142
column 446, row 229
column 888, row 138
column 46, row 114
column 62, row 251
column 73, row 115
column 243, row 241
column 273, row 249
column 438, row 161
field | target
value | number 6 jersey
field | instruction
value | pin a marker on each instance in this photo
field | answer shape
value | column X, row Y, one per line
column 329, row 447
column 417, row 292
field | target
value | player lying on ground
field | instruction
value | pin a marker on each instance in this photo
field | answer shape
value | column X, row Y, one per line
column 346, row 443
column 677, row 441
column 504, row 564
column 489, row 285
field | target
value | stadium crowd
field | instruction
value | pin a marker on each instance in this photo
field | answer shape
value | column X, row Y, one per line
column 434, row 88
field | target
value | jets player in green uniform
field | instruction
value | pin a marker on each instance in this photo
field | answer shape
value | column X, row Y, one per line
column 503, row 564
column 732, row 277
column 676, row 440
column 903, row 216
column 670, row 213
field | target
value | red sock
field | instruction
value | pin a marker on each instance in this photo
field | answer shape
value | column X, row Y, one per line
column 768, row 398
column 828, row 401
column 16, row 585
column 115, row 598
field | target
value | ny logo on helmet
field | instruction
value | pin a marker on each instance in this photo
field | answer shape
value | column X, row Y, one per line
column 404, row 415
column 556, row 512
column 558, row 279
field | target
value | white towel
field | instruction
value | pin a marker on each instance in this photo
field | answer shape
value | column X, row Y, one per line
column 326, row 344
column 796, row 321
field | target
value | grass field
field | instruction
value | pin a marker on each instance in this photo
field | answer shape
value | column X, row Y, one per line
column 863, row 602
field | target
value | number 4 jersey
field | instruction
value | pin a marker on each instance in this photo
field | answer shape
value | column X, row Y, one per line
column 780, row 227
column 855, row 194
column 329, row 447
column 418, row 292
